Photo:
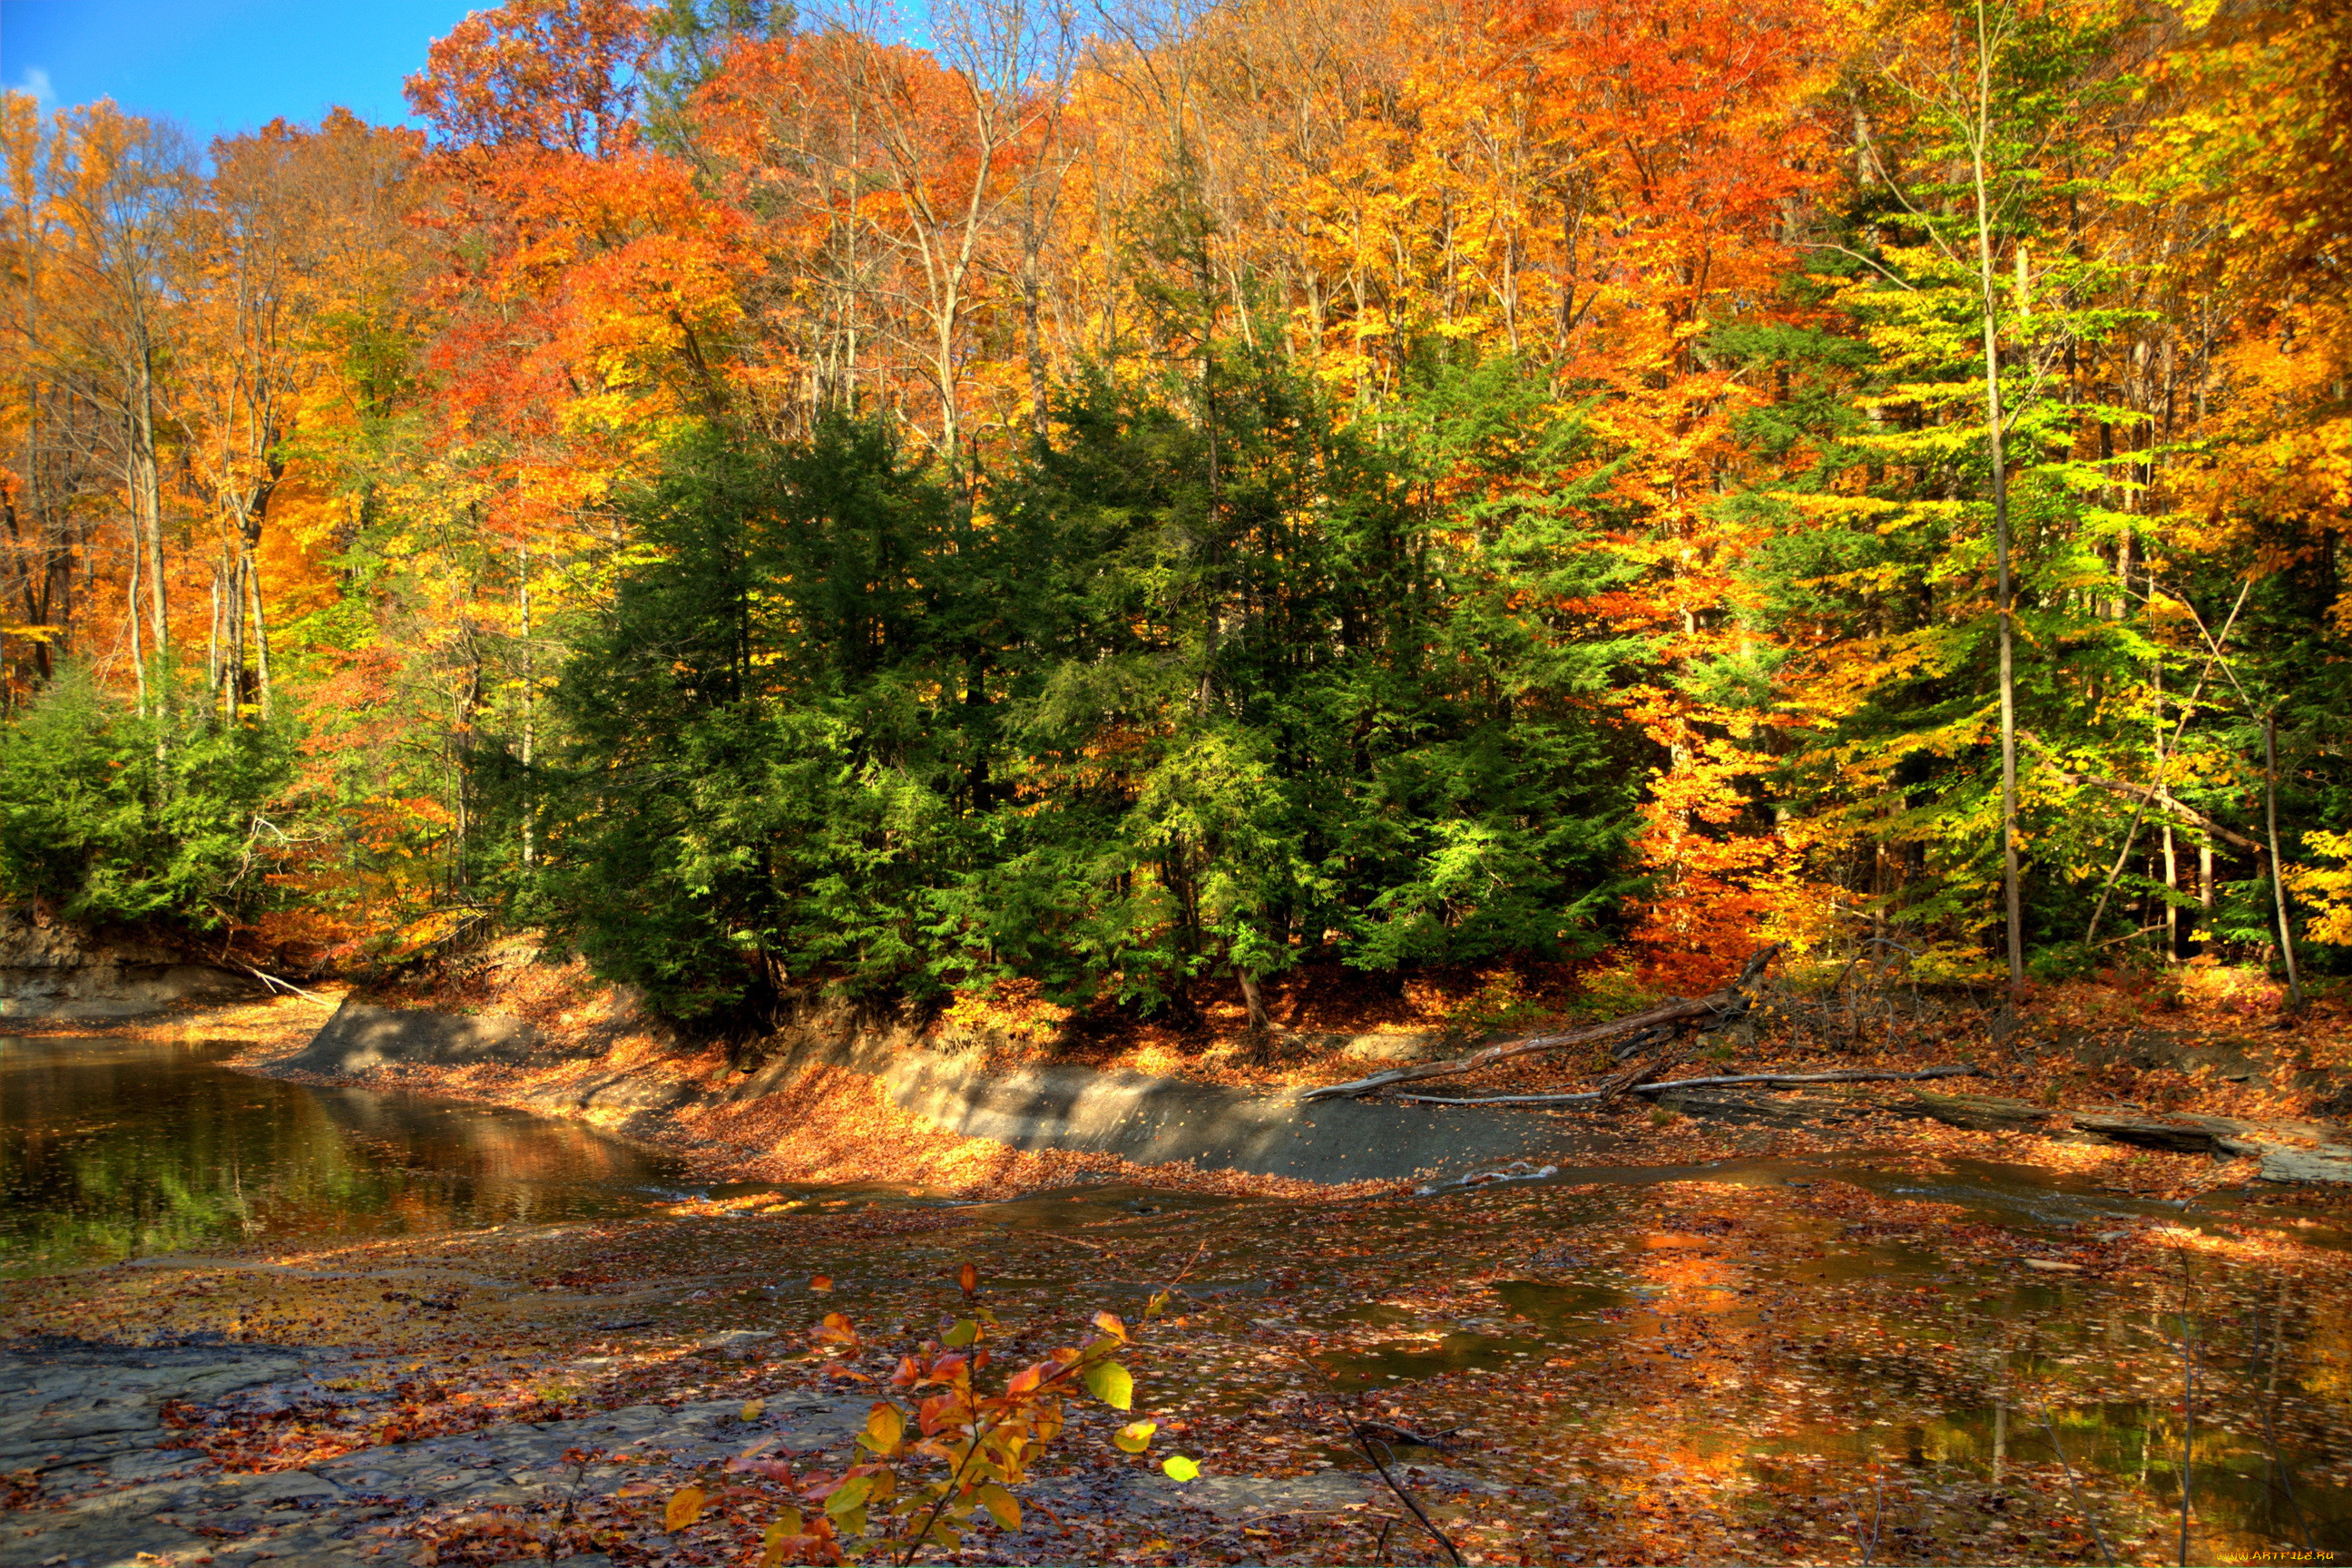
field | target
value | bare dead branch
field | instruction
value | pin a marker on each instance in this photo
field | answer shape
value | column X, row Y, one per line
column 1595, row 1097
column 1713, row 1007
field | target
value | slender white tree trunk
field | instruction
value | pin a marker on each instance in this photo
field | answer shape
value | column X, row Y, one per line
column 2013, row 895
column 2278, row 880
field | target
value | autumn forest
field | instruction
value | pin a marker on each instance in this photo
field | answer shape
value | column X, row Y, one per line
column 1121, row 501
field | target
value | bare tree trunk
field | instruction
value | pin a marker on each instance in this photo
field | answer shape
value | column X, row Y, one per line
column 1037, row 401
column 1032, row 340
column 213, row 649
column 2278, row 880
column 147, row 502
column 236, row 682
column 530, row 702
column 2012, row 876
column 2172, row 953
column 260, row 632
column 2173, row 931
column 131, row 597
column 2205, row 887
column 1251, row 998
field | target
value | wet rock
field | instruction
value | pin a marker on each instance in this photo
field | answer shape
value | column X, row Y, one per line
column 1988, row 1113
column 2290, row 1151
column 2183, row 1134
column 1240, row 1497
column 114, row 1529
column 2329, row 1163
column 1232, row 1497
column 1760, row 1108
column 275, row 1487
column 72, row 1403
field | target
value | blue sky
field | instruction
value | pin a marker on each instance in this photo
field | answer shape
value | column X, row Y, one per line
column 219, row 66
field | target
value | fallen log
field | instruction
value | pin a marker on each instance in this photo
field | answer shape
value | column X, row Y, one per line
column 1714, row 1006
column 1844, row 1075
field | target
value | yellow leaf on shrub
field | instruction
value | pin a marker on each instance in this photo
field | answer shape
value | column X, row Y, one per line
column 886, row 1429
column 1135, row 1436
column 1112, row 1384
column 1179, row 1469
column 1002, row 1506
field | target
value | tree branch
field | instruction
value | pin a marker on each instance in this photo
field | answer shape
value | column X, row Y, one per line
column 1845, row 1075
column 1730, row 1002
column 2163, row 802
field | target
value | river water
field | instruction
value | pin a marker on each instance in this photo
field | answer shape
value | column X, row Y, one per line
column 115, row 1149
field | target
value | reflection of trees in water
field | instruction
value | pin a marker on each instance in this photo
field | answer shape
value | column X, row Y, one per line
column 2246, row 1499
column 491, row 1142
column 501, row 1164
column 113, row 1149
column 140, row 1148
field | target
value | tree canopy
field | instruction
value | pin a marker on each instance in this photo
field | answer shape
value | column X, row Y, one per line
column 1380, row 486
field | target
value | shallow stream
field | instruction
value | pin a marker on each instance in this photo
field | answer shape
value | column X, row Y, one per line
column 113, row 1149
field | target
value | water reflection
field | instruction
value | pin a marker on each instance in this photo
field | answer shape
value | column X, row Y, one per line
column 1758, row 1339
column 114, row 1148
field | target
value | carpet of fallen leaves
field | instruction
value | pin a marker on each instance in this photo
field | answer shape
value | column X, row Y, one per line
column 1866, row 1357
column 1877, row 1339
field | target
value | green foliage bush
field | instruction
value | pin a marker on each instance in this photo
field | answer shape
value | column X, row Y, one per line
column 107, row 815
column 1173, row 695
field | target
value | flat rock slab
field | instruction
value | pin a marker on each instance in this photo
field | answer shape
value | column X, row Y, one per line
column 88, row 1417
column 2333, row 1164
column 2289, row 1150
column 1763, row 1110
column 1988, row 1113
column 68, row 1405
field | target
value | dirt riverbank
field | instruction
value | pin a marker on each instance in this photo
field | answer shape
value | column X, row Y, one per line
column 835, row 1103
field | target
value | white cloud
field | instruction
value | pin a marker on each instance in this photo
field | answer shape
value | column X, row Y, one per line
column 36, row 85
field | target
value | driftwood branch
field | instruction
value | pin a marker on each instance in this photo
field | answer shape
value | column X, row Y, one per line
column 287, row 985
column 1714, row 1006
column 1844, row 1075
